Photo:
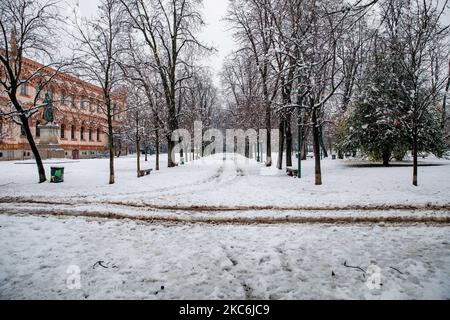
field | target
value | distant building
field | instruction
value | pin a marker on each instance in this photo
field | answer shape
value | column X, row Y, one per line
column 78, row 111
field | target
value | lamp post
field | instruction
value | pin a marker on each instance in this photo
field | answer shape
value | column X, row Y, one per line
column 299, row 140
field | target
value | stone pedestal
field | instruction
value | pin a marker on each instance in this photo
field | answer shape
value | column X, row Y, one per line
column 48, row 144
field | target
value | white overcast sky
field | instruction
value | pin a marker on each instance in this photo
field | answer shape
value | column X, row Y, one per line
column 215, row 32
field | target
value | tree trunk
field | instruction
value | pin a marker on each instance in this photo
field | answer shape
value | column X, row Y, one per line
column 444, row 102
column 138, row 149
column 111, row 145
column 268, row 129
column 157, row 149
column 170, row 149
column 34, row 149
column 414, row 152
column 280, row 144
column 322, row 144
column 146, row 151
column 247, row 148
column 386, row 156
column 316, row 147
column 288, row 141
column 304, row 151
column 257, row 147
column 138, row 157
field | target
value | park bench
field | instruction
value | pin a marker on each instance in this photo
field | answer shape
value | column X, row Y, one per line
column 291, row 171
column 145, row 172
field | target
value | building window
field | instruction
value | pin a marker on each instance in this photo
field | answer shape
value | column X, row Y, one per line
column 98, row 134
column 1, row 154
column 72, row 132
column 63, row 131
column 82, row 133
column 114, row 111
column 37, row 88
column 38, row 131
column 22, row 130
column 91, row 106
column 24, row 89
column 72, row 100
column 90, row 134
column 98, row 106
column 81, row 102
column 63, row 96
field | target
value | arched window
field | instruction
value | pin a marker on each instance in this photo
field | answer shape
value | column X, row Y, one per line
column 38, row 131
column 72, row 132
column 72, row 100
column 98, row 134
column 63, row 131
column 81, row 102
column 90, row 134
column 82, row 133
column 98, row 106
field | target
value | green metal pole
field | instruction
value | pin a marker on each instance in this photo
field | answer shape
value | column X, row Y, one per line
column 257, row 148
column 299, row 159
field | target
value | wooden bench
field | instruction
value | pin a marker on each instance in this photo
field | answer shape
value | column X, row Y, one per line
column 291, row 172
column 145, row 172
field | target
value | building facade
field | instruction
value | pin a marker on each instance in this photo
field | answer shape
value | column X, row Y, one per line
column 78, row 110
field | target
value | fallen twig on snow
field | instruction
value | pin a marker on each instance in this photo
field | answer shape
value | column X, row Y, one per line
column 355, row 267
column 396, row 270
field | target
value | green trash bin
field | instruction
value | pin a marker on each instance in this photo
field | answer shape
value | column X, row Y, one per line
column 57, row 174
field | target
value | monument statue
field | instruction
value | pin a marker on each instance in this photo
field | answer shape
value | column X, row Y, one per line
column 48, row 141
column 48, row 110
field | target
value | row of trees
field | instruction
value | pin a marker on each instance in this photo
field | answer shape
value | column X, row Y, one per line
column 369, row 74
column 147, row 46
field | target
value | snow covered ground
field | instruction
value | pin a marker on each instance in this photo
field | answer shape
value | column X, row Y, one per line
column 219, row 262
column 225, row 227
column 234, row 182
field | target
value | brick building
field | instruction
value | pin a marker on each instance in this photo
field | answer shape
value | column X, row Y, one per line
column 77, row 110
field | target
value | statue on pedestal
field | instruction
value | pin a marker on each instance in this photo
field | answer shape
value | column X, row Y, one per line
column 48, row 142
column 48, row 110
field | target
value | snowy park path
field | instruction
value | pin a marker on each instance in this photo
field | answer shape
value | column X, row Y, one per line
column 234, row 183
column 225, row 229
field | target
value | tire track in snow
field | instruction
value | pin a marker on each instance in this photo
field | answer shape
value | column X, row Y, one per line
column 212, row 208
column 187, row 186
column 342, row 220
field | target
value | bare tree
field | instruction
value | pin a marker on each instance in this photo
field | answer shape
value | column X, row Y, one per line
column 168, row 29
column 254, row 27
column 99, row 45
column 28, row 29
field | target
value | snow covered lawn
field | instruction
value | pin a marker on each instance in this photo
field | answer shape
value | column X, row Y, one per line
column 222, row 228
column 219, row 262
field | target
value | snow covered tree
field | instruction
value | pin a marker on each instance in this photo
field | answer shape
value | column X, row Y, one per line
column 397, row 106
